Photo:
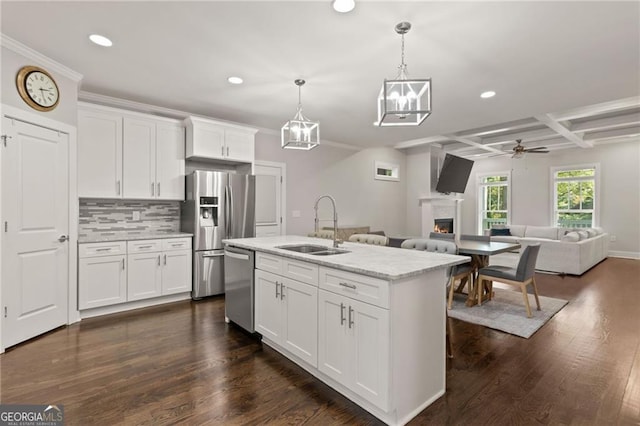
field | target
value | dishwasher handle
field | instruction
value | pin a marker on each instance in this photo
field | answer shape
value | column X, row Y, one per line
column 235, row 255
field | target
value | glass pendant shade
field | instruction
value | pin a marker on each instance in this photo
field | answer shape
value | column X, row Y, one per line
column 404, row 101
column 300, row 132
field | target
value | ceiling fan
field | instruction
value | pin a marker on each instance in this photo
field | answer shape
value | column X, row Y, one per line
column 519, row 150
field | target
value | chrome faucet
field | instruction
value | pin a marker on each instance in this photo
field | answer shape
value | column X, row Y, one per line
column 336, row 241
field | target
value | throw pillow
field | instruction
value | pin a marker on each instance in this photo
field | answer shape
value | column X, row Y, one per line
column 571, row 237
column 500, row 232
column 592, row 232
column 583, row 235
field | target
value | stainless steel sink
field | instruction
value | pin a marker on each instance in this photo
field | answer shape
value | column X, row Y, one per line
column 313, row 249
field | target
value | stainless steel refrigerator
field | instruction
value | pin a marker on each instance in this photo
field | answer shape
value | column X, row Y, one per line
column 218, row 205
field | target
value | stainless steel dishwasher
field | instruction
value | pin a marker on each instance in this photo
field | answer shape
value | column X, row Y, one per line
column 238, row 287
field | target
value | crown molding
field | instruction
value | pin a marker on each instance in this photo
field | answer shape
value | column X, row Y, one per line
column 38, row 57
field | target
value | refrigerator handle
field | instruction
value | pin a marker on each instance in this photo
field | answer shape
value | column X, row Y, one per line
column 230, row 211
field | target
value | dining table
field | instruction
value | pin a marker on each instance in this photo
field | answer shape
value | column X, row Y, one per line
column 480, row 251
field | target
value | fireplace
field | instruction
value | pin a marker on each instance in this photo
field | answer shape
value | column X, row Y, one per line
column 444, row 226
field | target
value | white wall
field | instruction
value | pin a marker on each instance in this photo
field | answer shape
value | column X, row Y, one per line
column 531, row 190
column 345, row 174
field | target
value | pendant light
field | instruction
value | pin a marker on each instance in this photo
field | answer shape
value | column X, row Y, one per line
column 300, row 132
column 404, row 101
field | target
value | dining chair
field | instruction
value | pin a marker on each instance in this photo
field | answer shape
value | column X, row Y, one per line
column 455, row 273
column 374, row 239
column 520, row 276
column 324, row 233
column 469, row 237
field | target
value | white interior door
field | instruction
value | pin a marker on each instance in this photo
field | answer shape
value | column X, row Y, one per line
column 269, row 199
column 35, row 221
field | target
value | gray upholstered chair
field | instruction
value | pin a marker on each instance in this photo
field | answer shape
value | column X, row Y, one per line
column 520, row 276
column 442, row 236
column 378, row 240
column 458, row 272
column 468, row 237
column 324, row 233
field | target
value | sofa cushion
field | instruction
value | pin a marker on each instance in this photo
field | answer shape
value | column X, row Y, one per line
column 583, row 234
column 541, row 232
column 592, row 232
column 572, row 237
column 501, row 232
column 517, row 230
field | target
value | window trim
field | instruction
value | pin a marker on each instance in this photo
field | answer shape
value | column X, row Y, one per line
column 596, row 195
column 479, row 192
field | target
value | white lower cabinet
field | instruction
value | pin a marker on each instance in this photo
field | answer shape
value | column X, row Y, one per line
column 118, row 272
column 287, row 314
column 353, row 345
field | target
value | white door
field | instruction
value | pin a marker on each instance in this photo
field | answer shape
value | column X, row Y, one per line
column 139, row 158
column 102, row 281
column 239, row 145
column 301, row 320
column 169, row 161
column 334, row 350
column 269, row 199
column 176, row 271
column 35, row 220
column 144, row 278
column 268, row 305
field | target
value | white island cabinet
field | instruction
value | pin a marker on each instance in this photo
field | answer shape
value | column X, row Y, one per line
column 370, row 322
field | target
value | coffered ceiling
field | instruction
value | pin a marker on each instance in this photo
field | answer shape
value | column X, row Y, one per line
column 567, row 74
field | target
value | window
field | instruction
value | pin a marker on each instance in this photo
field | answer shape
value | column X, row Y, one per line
column 493, row 200
column 574, row 196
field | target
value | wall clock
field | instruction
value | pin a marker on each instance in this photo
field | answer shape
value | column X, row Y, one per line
column 37, row 88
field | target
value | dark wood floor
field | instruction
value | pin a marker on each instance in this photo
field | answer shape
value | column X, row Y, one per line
column 181, row 363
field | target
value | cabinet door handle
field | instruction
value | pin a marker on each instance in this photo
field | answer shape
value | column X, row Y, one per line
column 165, row 259
column 145, row 247
column 158, row 260
column 123, row 264
column 342, row 313
column 350, row 318
column 277, row 293
column 222, row 151
column 104, row 249
column 348, row 285
column 117, row 187
column 158, row 186
column 227, row 151
column 281, row 291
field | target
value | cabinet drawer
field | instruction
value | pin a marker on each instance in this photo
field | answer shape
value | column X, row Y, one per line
column 102, row 249
column 359, row 287
column 176, row 244
column 269, row 263
column 144, row 246
column 301, row 271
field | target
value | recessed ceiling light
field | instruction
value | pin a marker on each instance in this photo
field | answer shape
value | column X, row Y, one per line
column 487, row 94
column 235, row 80
column 343, row 6
column 100, row 40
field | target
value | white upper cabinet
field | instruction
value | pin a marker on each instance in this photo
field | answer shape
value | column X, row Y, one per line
column 207, row 139
column 99, row 154
column 129, row 155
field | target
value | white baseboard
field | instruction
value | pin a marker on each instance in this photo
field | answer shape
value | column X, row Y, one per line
column 122, row 307
column 624, row 254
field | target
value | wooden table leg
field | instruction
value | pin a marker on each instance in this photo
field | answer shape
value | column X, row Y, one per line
column 478, row 262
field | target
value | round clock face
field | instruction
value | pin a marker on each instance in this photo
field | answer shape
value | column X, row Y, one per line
column 37, row 88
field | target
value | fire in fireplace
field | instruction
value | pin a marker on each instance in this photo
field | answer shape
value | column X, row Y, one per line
column 444, row 226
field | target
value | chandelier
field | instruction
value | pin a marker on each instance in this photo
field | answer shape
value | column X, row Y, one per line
column 300, row 132
column 404, row 101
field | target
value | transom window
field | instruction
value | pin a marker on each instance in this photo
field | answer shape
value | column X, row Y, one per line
column 493, row 200
column 574, row 196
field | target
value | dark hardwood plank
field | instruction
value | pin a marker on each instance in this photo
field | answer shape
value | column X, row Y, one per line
column 181, row 364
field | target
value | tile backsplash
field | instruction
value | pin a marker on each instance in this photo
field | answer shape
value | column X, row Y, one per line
column 115, row 217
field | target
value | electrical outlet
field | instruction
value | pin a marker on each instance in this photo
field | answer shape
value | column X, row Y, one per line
column 136, row 215
column 295, row 213
column 614, row 238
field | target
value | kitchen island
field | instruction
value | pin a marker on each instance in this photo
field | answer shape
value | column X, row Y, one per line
column 369, row 322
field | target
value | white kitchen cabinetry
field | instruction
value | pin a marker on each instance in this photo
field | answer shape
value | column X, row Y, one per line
column 117, row 272
column 207, row 139
column 102, row 274
column 99, row 154
column 122, row 154
column 287, row 309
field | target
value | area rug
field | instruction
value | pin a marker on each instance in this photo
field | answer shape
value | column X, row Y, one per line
column 506, row 312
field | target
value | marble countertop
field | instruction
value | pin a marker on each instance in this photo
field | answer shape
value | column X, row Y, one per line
column 388, row 263
column 131, row 236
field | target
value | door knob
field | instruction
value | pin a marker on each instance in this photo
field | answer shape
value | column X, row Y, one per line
column 63, row 238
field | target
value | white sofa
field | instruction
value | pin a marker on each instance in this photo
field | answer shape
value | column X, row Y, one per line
column 563, row 250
